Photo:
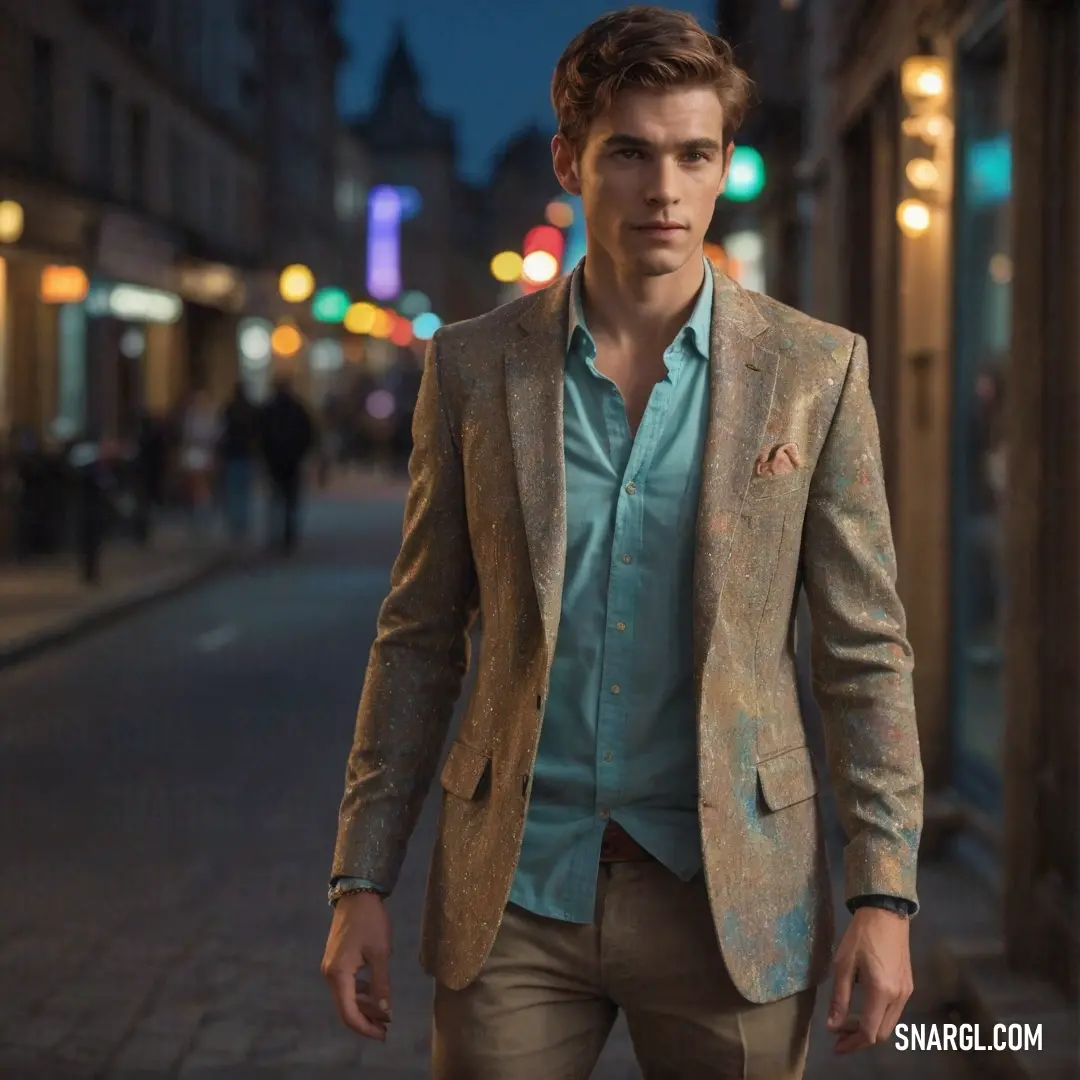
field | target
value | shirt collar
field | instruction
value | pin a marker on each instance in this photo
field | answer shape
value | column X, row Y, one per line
column 697, row 329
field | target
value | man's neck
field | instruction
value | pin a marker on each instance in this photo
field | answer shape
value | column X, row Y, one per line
column 629, row 309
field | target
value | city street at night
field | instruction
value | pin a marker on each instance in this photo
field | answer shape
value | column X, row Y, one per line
column 173, row 783
column 734, row 344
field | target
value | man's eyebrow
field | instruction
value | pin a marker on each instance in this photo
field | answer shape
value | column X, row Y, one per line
column 638, row 143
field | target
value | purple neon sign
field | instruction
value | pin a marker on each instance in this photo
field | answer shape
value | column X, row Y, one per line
column 384, row 243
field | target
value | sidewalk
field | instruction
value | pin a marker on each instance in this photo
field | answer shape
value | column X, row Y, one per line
column 44, row 602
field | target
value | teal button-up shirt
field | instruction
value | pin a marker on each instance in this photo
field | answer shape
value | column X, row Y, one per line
column 619, row 736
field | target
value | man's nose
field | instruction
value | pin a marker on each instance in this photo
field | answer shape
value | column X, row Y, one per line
column 663, row 183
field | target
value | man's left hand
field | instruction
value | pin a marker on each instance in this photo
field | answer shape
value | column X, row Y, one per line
column 875, row 952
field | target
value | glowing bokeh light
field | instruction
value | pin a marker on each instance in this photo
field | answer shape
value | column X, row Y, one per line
column 327, row 355
column 63, row 285
column 922, row 173
column 540, row 267
column 506, row 267
column 286, row 340
column 253, row 340
column 132, row 343
column 544, row 238
column 414, row 303
column 424, row 326
column 384, row 243
column 360, row 318
column 11, row 221
column 380, row 404
column 560, row 214
column 330, row 305
column 383, row 326
column 913, row 217
column 402, row 332
column 746, row 176
column 296, row 284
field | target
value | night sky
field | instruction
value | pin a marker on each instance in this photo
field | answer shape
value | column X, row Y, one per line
column 486, row 63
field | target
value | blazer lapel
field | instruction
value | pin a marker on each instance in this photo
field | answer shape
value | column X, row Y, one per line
column 743, row 378
column 534, row 401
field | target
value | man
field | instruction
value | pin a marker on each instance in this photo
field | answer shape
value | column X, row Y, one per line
column 286, row 433
column 630, row 475
column 236, row 448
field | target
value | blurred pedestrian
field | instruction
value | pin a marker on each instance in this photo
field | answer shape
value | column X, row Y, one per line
column 236, row 450
column 286, row 432
column 199, row 436
column 629, row 476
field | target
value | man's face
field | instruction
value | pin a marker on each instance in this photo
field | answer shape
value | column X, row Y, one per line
column 649, row 174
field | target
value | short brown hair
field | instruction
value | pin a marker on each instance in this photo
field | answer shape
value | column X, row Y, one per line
column 649, row 48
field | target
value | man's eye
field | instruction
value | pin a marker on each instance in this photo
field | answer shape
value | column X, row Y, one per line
column 628, row 154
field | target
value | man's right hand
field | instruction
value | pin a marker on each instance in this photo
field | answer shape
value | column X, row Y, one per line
column 360, row 938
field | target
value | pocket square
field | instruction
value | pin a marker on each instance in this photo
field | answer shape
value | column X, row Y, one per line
column 779, row 461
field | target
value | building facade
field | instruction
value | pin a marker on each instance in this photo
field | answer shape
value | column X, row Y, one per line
column 164, row 159
column 123, row 179
column 940, row 184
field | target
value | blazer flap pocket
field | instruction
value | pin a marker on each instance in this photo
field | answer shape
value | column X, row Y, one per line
column 463, row 771
column 788, row 778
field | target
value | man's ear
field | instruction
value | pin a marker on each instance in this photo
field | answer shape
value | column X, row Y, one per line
column 565, row 162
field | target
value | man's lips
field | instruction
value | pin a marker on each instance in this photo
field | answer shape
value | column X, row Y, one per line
column 660, row 228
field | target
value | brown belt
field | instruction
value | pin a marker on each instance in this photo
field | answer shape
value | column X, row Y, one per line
column 619, row 846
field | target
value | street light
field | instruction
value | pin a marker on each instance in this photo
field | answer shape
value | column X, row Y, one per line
column 913, row 217
column 924, row 78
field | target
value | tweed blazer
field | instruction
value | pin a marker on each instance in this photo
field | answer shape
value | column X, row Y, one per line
column 792, row 497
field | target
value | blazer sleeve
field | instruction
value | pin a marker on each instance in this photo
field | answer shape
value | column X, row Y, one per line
column 861, row 659
column 420, row 654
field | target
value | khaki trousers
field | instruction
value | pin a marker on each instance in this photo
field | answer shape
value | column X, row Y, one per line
column 549, row 994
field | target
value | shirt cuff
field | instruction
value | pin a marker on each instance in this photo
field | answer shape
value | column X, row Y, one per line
column 339, row 886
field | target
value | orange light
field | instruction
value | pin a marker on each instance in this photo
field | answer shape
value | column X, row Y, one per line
column 63, row 285
column 402, row 332
column 286, row 340
column 383, row 326
column 716, row 254
column 559, row 214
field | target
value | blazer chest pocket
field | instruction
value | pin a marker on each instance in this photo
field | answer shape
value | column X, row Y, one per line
column 787, row 779
column 467, row 772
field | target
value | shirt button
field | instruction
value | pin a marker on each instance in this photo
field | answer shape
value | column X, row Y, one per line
column 605, row 812
column 631, row 488
column 620, row 626
column 628, row 559
column 616, row 689
column 608, row 755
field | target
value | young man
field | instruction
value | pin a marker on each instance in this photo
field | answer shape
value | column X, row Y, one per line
column 630, row 475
